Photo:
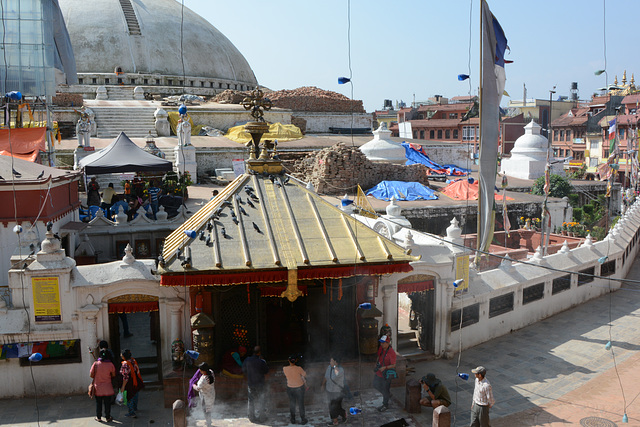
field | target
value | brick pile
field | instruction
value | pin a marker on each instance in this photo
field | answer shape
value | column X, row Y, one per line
column 310, row 98
column 67, row 100
column 338, row 169
column 231, row 96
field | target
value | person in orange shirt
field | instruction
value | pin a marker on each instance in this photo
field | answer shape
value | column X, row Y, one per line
column 296, row 385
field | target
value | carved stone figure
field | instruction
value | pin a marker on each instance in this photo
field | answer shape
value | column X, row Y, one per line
column 83, row 130
column 184, row 131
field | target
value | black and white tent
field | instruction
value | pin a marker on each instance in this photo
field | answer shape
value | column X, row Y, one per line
column 122, row 155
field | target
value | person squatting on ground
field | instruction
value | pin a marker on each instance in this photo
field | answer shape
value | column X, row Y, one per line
column 296, row 385
column 482, row 399
column 335, row 385
column 131, row 382
column 385, row 370
column 102, row 371
column 434, row 392
column 206, row 387
column 255, row 368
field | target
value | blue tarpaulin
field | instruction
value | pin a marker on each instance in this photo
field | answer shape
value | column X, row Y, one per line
column 402, row 191
column 415, row 154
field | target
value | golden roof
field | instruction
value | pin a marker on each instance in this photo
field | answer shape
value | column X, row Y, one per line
column 265, row 228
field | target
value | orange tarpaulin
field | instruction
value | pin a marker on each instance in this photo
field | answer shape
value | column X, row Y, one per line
column 462, row 190
column 25, row 143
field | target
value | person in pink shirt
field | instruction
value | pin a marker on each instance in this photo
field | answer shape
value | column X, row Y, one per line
column 102, row 371
column 296, row 385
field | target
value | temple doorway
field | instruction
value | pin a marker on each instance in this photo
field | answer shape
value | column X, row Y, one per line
column 134, row 324
column 416, row 314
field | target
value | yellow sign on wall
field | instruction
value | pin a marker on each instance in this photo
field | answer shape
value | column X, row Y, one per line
column 46, row 299
column 462, row 272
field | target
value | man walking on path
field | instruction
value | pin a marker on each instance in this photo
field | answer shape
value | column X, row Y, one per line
column 482, row 399
column 255, row 368
column 385, row 367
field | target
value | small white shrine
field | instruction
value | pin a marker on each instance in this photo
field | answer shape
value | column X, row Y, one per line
column 382, row 149
column 529, row 154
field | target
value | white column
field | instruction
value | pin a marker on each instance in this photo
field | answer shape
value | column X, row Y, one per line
column 175, row 321
column 90, row 315
column 390, row 308
column 444, row 329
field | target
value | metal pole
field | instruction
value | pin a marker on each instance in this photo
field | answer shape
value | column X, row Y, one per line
column 544, row 229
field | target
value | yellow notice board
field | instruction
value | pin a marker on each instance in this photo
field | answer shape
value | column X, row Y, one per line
column 462, row 272
column 46, row 299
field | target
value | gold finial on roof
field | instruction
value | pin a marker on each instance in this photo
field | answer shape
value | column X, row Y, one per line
column 632, row 79
column 615, row 82
column 265, row 162
column 624, row 77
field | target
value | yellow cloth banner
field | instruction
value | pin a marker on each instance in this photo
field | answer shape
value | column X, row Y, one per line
column 276, row 131
column 174, row 117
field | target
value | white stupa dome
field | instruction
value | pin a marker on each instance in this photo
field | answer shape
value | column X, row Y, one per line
column 382, row 149
column 528, row 155
column 143, row 36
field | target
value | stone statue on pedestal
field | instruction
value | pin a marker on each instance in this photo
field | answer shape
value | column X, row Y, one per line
column 184, row 131
column 83, row 130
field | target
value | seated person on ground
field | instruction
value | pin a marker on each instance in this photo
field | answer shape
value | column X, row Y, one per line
column 232, row 362
column 434, row 393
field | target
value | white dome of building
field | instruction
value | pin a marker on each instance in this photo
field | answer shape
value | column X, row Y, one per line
column 143, row 36
column 382, row 149
column 528, row 155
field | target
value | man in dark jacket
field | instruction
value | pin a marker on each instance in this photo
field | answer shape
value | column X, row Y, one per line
column 255, row 368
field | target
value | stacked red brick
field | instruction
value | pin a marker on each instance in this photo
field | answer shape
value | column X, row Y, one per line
column 338, row 170
column 310, row 98
column 67, row 100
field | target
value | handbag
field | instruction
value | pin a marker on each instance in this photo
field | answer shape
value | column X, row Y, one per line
column 390, row 374
column 91, row 390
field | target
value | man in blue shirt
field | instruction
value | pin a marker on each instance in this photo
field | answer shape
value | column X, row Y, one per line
column 154, row 197
column 255, row 368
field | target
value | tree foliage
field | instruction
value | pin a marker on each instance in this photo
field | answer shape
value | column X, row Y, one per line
column 560, row 186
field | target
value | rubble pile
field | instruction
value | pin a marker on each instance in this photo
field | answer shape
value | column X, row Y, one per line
column 310, row 98
column 338, row 169
column 231, row 96
column 67, row 100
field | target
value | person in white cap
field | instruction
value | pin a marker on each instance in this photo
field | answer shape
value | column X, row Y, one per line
column 385, row 370
column 482, row 399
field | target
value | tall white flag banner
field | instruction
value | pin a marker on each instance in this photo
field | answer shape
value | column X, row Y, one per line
column 494, row 44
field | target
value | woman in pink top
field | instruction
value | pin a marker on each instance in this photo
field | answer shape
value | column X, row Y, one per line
column 102, row 371
column 296, row 384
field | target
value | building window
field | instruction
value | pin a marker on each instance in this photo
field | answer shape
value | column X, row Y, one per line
column 500, row 305
column 94, row 81
column 201, row 84
column 561, row 152
column 555, row 135
column 561, row 135
column 432, row 134
column 106, row 81
column 605, row 153
column 119, row 80
column 219, row 85
column 470, row 315
column 210, row 84
column 455, row 134
column 132, row 81
column 191, row 82
column 608, row 268
column 568, row 136
column 79, row 81
column 453, row 115
column 169, row 82
column 67, row 351
column 181, row 83
column 594, row 144
column 621, row 133
column 532, row 293
column 146, row 81
column 468, row 133
column 157, row 82
column 439, row 133
column 415, row 134
column 561, row 284
column 447, row 134
column 421, row 134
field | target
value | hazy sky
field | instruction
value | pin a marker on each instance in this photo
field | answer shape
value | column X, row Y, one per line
column 403, row 48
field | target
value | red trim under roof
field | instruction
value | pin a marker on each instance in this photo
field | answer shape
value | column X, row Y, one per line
column 427, row 285
column 133, row 307
column 261, row 276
